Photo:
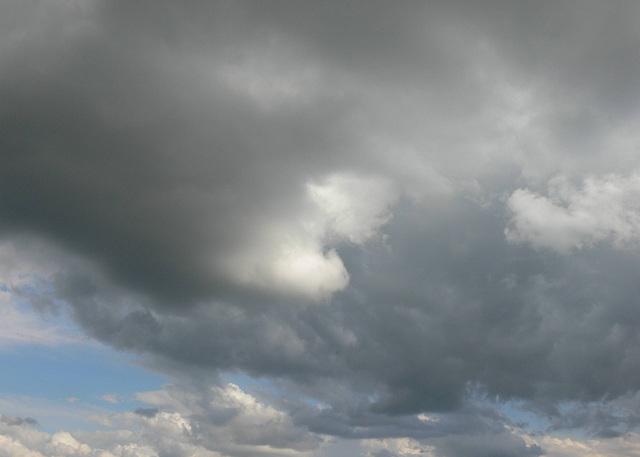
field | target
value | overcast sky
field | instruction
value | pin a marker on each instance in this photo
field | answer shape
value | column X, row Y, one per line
column 319, row 228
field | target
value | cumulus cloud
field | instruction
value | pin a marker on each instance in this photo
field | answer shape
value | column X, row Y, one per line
column 396, row 447
column 603, row 208
column 223, row 421
column 315, row 194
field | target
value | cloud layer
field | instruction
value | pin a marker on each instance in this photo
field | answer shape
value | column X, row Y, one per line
column 385, row 211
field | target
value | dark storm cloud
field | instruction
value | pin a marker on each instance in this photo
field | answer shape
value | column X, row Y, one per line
column 126, row 147
column 514, row 322
column 351, row 420
column 170, row 151
column 122, row 154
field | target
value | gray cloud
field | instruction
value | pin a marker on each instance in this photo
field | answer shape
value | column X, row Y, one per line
column 254, row 429
column 317, row 193
column 15, row 420
column 519, row 323
column 147, row 412
column 501, row 445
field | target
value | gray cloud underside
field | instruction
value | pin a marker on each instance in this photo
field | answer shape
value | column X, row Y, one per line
column 520, row 323
column 152, row 142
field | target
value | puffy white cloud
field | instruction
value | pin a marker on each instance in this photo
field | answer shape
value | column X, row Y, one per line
column 232, row 419
column 397, row 447
column 62, row 443
column 224, row 420
column 11, row 447
column 570, row 217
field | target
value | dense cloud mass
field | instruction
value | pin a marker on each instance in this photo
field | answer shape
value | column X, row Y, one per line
column 400, row 215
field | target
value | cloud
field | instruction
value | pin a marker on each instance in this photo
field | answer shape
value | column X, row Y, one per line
column 23, row 269
column 503, row 445
column 355, row 208
column 604, row 208
column 397, row 447
column 233, row 420
column 15, row 420
column 111, row 398
column 147, row 412
column 24, row 327
column 223, row 421
column 316, row 195
column 249, row 216
column 297, row 260
column 555, row 446
column 49, row 414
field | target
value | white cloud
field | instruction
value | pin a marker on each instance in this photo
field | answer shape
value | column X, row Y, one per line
column 289, row 261
column 11, row 447
column 62, row 443
column 604, row 208
column 111, row 398
column 425, row 418
column 353, row 207
column 225, row 420
column 293, row 256
column 397, row 447
column 239, row 421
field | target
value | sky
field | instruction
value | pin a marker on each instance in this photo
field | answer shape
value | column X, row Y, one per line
column 303, row 228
